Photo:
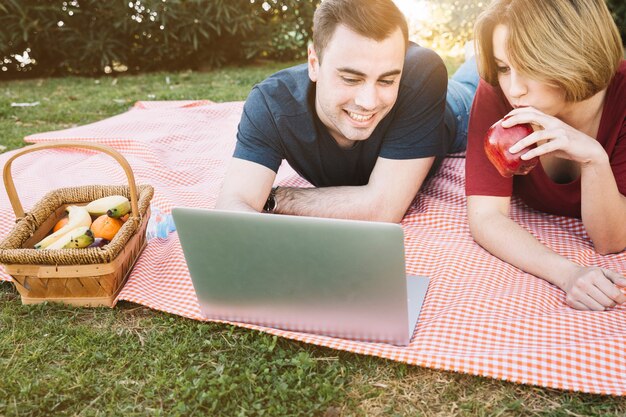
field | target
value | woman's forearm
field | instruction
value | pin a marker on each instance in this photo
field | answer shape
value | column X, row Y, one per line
column 507, row 240
column 603, row 208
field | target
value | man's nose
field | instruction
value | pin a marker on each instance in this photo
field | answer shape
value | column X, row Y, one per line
column 367, row 97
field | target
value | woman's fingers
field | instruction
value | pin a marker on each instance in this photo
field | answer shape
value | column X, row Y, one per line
column 596, row 289
column 532, row 139
column 618, row 285
column 603, row 293
column 586, row 302
column 527, row 115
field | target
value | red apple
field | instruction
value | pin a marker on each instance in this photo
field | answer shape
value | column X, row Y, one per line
column 499, row 139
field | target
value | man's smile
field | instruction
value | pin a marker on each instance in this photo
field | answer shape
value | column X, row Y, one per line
column 359, row 117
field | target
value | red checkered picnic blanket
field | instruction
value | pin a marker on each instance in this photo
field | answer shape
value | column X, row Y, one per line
column 481, row 316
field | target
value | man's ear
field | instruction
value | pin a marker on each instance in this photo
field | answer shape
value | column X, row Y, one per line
column 313, row 63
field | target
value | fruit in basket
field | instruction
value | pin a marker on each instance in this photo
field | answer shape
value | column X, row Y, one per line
column 98, row 243
column 114, row 206
column 78, row 216
column 60, row 223
column 80, row 237
column 80, row 240
column 106, row 227
column 499, row 139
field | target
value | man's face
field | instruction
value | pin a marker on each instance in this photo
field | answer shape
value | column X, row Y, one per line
column 356, row 83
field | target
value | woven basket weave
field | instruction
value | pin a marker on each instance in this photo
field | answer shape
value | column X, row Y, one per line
column 85, row 277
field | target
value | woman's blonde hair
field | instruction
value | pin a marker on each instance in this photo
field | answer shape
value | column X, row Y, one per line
column 571, row 44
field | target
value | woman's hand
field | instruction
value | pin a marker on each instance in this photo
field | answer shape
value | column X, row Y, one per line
column 596, row 289
column 555, row 137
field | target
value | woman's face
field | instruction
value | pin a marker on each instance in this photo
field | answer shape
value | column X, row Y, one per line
column 520, row 90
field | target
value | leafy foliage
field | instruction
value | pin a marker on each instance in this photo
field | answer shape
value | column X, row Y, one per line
column 451, row 24
column 287, row 28
column 91, row 36
column 452, row 21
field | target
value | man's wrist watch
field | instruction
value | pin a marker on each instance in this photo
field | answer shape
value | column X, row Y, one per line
column 271, row 205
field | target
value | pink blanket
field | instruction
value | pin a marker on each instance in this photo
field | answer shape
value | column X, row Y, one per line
column 481, row 316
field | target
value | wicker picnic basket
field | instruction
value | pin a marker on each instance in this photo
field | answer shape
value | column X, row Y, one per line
column 84, row 277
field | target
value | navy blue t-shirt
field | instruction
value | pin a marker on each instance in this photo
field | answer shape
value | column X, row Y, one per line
column 279, row 122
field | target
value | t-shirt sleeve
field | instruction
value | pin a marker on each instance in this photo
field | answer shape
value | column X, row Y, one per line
column 417, row 129
column 257, row 134
column 481, row 177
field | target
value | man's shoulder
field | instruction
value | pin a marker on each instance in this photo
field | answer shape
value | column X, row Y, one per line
column 421, row 63
column 416, row 52
column 284, row 92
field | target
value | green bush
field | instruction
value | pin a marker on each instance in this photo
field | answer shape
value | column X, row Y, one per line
column 90, row 37
column 286, row 30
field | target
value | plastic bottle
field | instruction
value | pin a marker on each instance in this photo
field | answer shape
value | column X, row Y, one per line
column 159, row 225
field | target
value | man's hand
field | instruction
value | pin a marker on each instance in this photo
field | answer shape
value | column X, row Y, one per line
column 392, row 186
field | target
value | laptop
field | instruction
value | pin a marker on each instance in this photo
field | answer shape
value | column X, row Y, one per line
column 339, row 278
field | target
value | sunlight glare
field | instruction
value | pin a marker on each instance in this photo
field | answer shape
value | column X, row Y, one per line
column 414, row 10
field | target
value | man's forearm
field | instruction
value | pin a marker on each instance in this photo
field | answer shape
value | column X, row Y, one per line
column 350, row 202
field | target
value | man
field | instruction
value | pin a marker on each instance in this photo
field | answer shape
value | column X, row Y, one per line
column 362, row 121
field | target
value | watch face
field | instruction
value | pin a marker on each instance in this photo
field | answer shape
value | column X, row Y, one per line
column 270, row 204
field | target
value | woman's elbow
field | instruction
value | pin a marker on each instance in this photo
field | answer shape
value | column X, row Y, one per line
column 608, row 248
column 477, row 222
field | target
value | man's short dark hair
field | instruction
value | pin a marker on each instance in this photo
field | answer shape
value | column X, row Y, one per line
column 374, row 19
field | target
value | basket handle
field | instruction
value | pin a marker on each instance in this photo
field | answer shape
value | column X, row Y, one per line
column 10, row 186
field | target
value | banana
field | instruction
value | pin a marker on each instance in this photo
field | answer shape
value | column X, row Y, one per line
column 78, row 216
column 81, row 241
column 79, row 237
column 113, row 206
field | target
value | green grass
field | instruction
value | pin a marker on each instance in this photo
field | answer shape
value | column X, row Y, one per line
column 58, row 360
column 67, row 102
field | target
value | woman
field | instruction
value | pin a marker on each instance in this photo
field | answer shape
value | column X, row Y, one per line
column 558, row 65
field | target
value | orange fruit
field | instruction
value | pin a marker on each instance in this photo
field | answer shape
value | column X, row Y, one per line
column 106, row 227
column 125, row 217
column 60, row 223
